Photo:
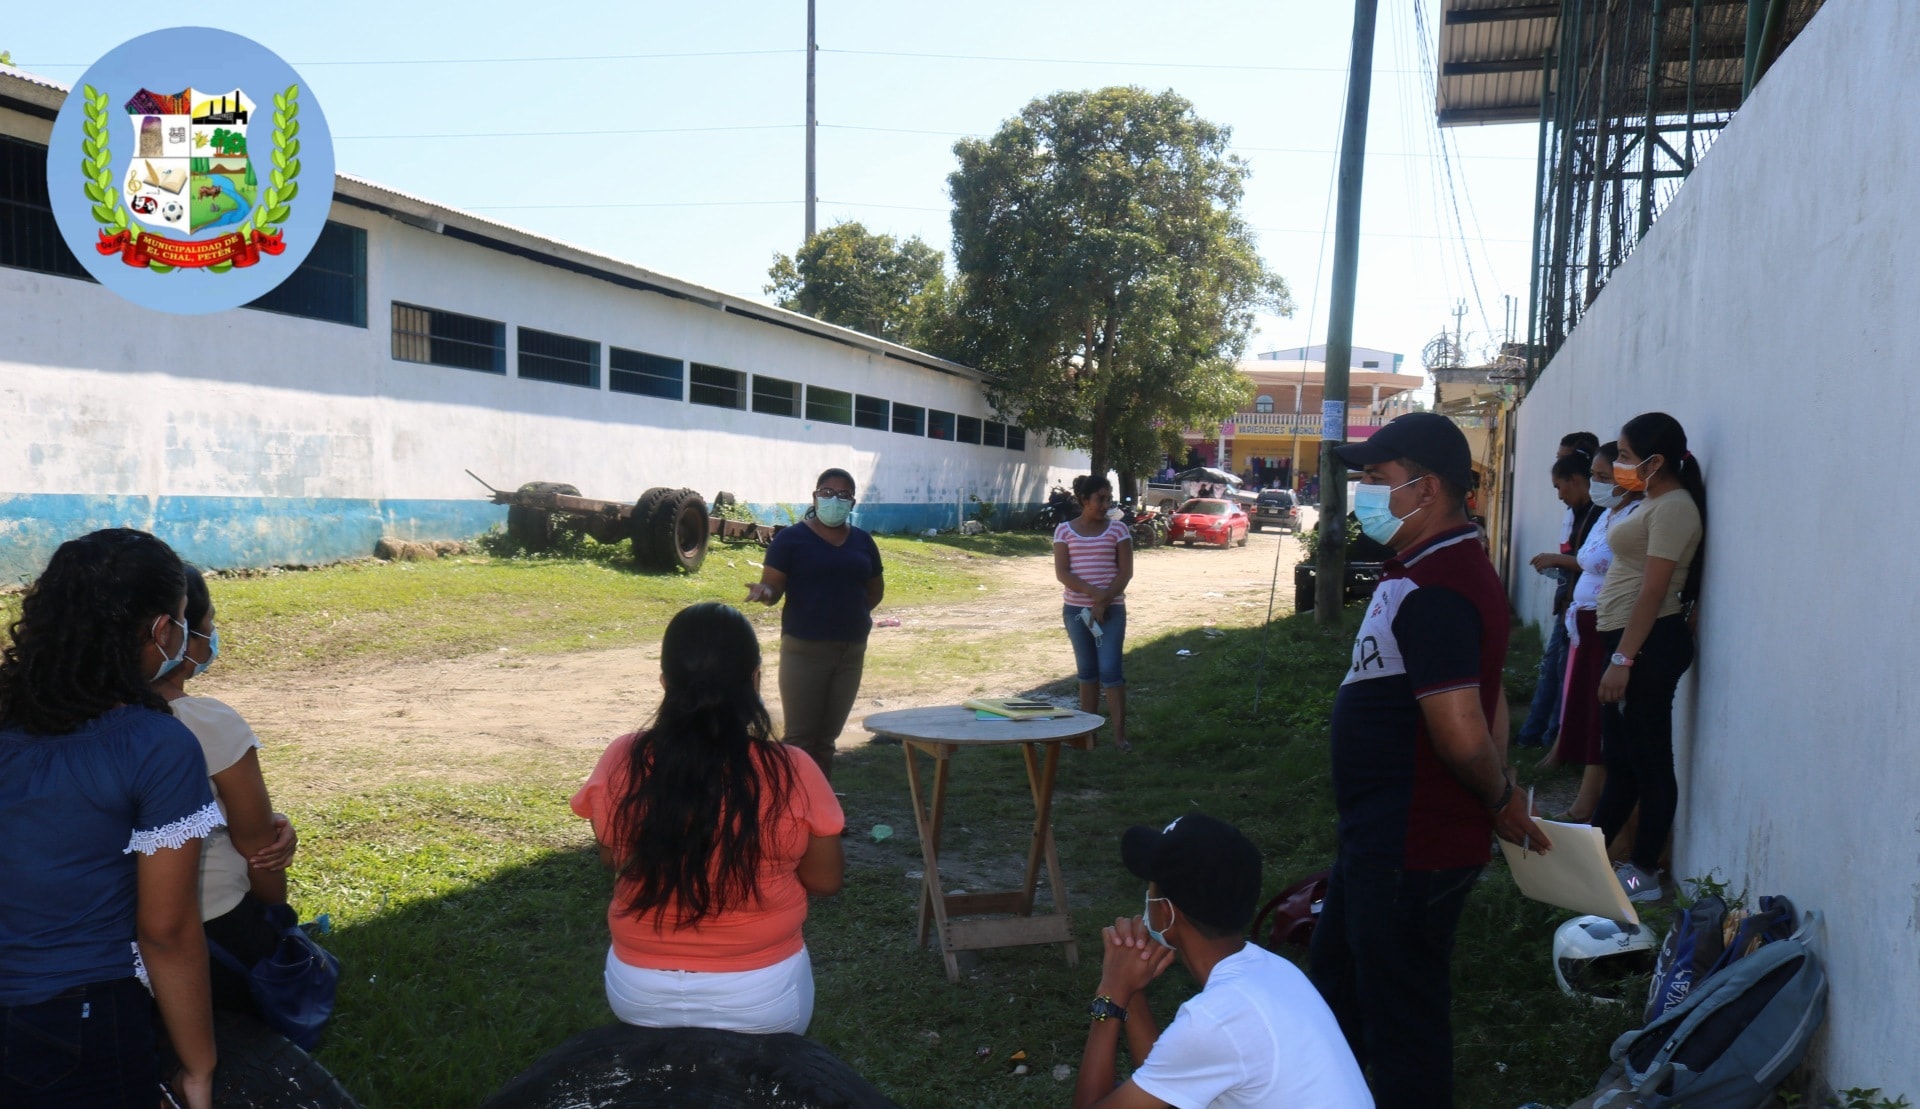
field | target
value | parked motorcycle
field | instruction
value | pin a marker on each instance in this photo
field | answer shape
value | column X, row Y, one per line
column 1060, row 508
column 1147, row 525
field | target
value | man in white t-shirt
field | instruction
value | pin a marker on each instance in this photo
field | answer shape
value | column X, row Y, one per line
column 1257, row 1033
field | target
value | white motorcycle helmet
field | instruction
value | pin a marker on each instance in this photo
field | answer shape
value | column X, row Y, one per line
column 1594, row 958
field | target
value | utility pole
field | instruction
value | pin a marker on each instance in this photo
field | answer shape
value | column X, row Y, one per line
column 1330, row 593
column 812, row 192
column 1459, row 333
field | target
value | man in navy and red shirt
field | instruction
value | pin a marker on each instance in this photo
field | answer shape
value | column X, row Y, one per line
column 1419, row 768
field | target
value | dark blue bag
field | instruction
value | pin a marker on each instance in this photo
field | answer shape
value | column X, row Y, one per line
column 294, row 986
column 1690, row 953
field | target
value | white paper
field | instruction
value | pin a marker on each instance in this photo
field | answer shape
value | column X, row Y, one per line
column 1333, row 420
column 1576, row 875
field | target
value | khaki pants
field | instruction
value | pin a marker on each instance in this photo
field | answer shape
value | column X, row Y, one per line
column 819, row 679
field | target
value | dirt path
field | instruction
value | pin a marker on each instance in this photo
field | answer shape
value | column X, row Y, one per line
column 476, row 718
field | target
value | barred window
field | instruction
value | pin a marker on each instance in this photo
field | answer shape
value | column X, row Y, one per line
column 969, row 430
column 909, row 419
column 996, row 434
column 829, row 406
column 774, row 397
column 29, row 239
column 939, row 425
column 561, row 359
column 716, row 386
column 330, row 284
column 440, row 338
column 647, row 375
column 1016, row 438
column 870, row 413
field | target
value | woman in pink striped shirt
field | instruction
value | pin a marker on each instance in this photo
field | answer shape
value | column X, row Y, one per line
column 1093, row 558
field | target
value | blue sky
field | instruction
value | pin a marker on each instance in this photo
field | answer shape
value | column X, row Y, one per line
column 704, row 176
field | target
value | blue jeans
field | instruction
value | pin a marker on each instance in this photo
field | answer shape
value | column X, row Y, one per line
column 92, row 1046
column 1543, row 719
column 1098, row 661
column 1381, row 955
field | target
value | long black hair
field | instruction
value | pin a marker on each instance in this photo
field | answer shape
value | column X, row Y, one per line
column 700, row 776
column 1652, row 433
column 74, row 653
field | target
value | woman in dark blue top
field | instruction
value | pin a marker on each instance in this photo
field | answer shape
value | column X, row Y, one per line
column 829, row 572
column 103, row 803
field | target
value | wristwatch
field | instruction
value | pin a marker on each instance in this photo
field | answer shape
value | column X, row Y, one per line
column 1103, row 1008
column 1621, row 660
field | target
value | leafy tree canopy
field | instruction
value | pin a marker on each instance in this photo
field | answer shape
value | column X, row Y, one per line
column 870, row 282
column 1106, row 276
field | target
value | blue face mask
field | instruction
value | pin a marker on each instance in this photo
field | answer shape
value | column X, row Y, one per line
column 1146, row 917
column 168, row 663
column 832, row 511
column 213, row 649
column 1376, row 519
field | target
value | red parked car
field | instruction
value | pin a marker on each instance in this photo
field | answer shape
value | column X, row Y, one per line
column 1209, row 521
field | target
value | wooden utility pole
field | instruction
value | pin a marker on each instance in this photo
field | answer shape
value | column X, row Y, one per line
column 1329, row 594
column 812, row 192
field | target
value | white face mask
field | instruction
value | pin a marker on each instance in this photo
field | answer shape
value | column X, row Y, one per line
column 1604, row 493
column 1146, row 917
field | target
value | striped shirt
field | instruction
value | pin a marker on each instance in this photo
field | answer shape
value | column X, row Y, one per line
column 1094, row 560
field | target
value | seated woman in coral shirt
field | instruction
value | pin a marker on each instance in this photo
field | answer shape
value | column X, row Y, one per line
column 716, row 834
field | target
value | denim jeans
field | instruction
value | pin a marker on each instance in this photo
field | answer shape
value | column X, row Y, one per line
column 1381, row 957
column 1098, row 661
column 1543, row 719
column 1636, row 741
column 91, row 1045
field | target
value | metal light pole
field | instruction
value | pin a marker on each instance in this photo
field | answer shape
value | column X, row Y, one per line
column 1329, row 594
column 811, row 50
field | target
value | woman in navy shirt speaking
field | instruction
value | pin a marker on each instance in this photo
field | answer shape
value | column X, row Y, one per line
column 829, row 572
column 103, row 804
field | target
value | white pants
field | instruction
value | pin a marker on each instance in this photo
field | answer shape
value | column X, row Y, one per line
column 778, row 998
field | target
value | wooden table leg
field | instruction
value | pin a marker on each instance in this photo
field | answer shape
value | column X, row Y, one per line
column 933, row 898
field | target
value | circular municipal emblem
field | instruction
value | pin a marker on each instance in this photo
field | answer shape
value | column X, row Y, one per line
column 190, row 170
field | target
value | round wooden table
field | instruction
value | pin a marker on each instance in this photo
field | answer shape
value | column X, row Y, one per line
column 939, row 733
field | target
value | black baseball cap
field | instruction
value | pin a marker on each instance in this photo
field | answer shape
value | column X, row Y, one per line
column 1428, row 438
column 1204, row 866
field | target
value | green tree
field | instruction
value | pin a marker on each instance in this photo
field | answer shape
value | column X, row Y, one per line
column 870, row 282
column 1106, row 276
column 6, row 57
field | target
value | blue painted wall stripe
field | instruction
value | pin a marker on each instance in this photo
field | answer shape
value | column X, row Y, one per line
column 224, row 533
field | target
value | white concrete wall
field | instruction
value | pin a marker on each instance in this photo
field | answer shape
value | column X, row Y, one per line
column 102, row 401
column 1772, row 310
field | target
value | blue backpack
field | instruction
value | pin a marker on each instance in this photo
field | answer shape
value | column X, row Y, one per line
column 1689, row 954
column 1730, row 1044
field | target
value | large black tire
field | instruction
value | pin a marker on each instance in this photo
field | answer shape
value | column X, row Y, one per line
column 623, row 1067
column 724, row 498
column 643, row 532
column 685, row 543
column 531, row 529
column 261, row 1069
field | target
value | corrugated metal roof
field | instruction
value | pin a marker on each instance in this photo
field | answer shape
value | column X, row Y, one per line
column 35, row 92
column 1492, row 53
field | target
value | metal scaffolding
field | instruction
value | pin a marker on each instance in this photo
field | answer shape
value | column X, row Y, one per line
column 1632, row 94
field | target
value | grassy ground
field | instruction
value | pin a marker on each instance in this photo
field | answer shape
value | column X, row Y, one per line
column 470, row 919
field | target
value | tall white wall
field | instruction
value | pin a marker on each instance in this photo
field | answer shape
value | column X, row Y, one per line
column 1773, row 310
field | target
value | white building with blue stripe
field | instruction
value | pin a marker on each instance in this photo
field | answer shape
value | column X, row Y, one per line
column 418, row 342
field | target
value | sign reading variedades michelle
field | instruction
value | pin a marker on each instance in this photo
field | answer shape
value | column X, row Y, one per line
column 190, row 170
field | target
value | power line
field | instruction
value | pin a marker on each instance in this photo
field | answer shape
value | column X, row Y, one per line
column 1022, row 59
column 563, row 134
column 530, row 59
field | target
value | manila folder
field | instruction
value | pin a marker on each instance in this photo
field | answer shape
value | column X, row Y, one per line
column 1575, row 875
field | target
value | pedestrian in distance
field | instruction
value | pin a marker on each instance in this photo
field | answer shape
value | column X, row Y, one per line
column 716, row 834
column 1093, row 560
column 104, row 803
column 830, row 574
column 1643, row 617
column 1420, row 774
column 1256, row 1035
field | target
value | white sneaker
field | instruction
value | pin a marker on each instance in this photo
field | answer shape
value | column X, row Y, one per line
column 1640, row 885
